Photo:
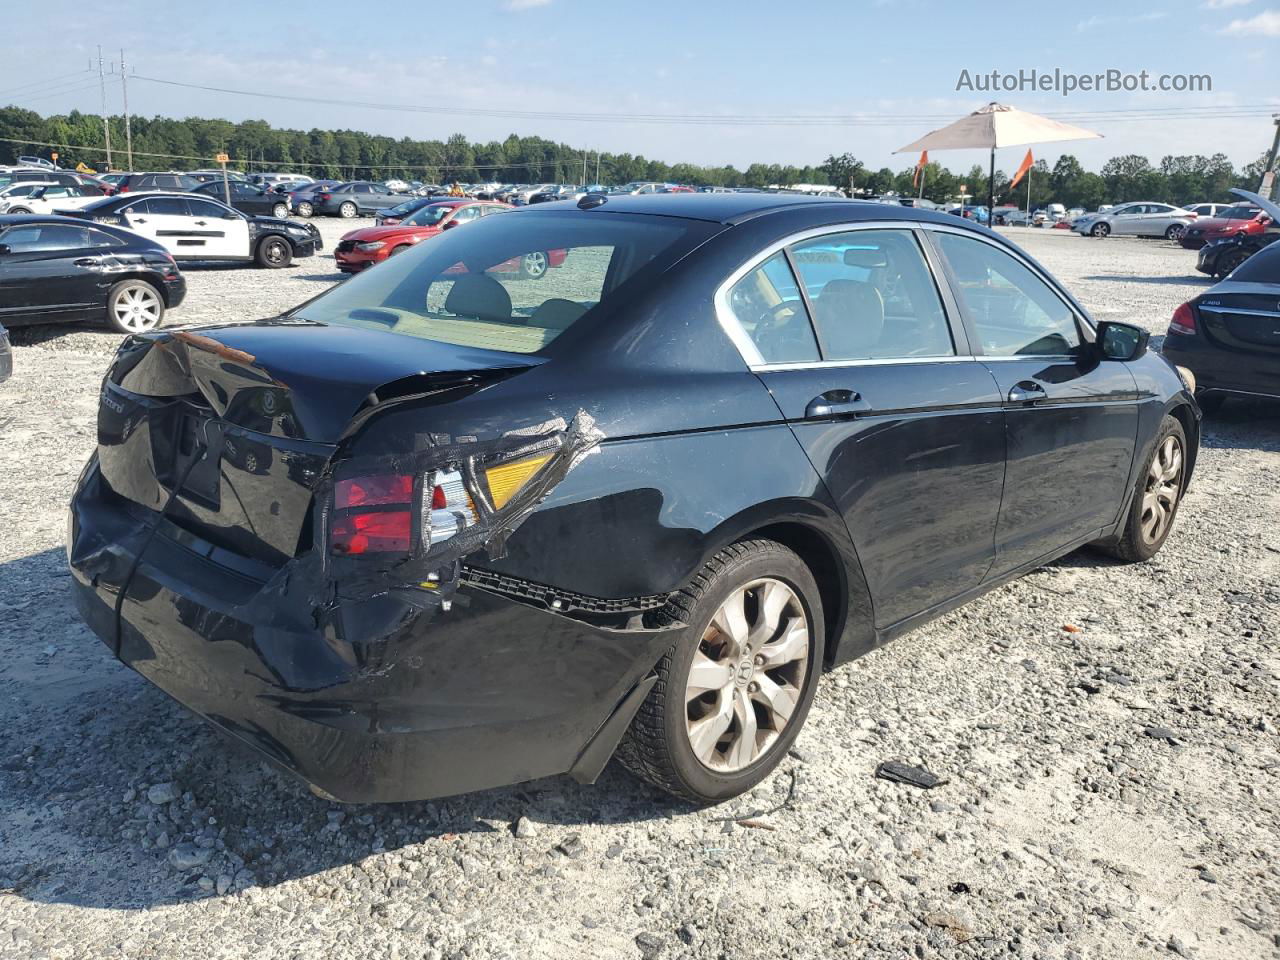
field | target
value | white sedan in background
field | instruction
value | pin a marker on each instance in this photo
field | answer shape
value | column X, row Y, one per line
column 1135, row 220
column 45, row 198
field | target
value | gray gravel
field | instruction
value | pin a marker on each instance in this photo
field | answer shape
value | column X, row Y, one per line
column 1109, row 734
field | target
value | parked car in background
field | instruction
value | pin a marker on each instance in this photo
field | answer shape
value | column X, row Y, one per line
column 353, row 199
column 638, row 188
column 1207, row 209
column 46, row 199
column 16, row 191
column 439, row 431
column 1229, row 336
column 361, row 249
column 1238, row 221
column 195, row 227
column 1218, row 258
column 44, row 176
column 396, row 185
column 563, row 191
column 1136, row 220
column 209, row 176
column 139, row 182
column 393, row 215
column 271, row 181
column 302, row 197
column 1015, row 218
column 56, row 269
column 39, row 162
column 247, row 197
column 970, row 211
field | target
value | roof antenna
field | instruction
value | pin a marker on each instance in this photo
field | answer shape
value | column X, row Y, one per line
column 592, row 200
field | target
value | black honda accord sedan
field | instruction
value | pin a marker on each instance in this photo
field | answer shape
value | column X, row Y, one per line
column 443, row 528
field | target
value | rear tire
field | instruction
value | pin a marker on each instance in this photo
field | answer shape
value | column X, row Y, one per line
column 16, row 210
column 1101, row 230
column 134, row 306
column 348, row 210
column 305, row 209
column 280, row 211
column 734, row 690
column 1175, row 232
column 1156, row 497
column 401, row 248
column 274, row 253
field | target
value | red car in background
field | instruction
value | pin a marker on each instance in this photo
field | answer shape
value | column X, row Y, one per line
column 1240, row 220
column 368, row 246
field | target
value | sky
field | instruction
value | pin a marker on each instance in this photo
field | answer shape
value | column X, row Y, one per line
column 592, row 68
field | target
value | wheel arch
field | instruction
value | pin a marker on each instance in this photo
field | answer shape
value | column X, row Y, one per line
column 1186, row 415
column 816, row 534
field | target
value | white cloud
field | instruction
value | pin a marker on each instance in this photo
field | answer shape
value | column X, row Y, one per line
column 525, row 4
column 1095, row 21
column 1224, row 4
column 1265, row 24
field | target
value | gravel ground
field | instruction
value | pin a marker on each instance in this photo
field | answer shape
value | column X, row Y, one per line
column 1109, row 735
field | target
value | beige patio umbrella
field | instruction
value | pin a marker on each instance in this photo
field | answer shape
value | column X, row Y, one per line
column 994, row 126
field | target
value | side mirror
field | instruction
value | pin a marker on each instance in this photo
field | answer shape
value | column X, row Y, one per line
column 231, row 215
column 1121, row 341
column 450, row 224
column 4, row 249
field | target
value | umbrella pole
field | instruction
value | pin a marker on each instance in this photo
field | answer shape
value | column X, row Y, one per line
column 991, row 190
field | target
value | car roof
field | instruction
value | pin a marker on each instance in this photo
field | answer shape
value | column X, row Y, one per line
column 13, row 219
column 732, row 208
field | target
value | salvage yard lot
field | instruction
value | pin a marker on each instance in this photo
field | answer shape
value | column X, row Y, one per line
column 1109, row 735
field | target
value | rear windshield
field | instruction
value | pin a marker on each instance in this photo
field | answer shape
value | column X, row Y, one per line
column 1262, row 267
column 512, row 283
column 1239, row 213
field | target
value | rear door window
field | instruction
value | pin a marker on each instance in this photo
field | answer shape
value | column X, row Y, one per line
column 873, row 296
column 41, row 237
column 767, row 305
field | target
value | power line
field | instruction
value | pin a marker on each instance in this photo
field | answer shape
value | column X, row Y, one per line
column 45, row 81
column 1125, row 115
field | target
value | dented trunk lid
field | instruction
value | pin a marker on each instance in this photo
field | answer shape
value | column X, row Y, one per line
column 229, row 428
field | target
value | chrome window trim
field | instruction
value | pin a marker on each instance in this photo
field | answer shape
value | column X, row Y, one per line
column 747, row 348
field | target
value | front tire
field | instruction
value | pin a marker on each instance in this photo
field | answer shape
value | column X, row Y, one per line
column 1175, row 232
column 348, row 210
column 734, row 690
column 1156, row 499
column 1101, row 230
column 280, row 211
column 274, row 253
column 134, row 306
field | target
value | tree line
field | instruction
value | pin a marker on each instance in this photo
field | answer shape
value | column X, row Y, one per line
column 164, row 143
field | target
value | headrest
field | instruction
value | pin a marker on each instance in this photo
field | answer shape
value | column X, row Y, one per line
column 480, row 296
column 556, row 314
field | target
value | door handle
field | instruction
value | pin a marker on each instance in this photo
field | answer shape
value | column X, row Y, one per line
column 201, row 223
column 835, row 403
column 87, row 262
column 139, row 219
column 1026, row 391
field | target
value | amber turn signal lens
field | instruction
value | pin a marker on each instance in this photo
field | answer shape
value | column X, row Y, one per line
column 507, row 480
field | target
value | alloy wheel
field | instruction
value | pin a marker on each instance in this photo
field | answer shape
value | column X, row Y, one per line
column 280, row 211
column 304, row 209
column 1164, row 485
column 534, row 264
column 747, row 675
column 136, row 308
column 347, row 210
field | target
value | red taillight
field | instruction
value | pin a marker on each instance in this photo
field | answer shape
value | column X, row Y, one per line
column 357, row 529
column 1184, row 320
column 323, row 197
column 376, row 532
column 373, row 490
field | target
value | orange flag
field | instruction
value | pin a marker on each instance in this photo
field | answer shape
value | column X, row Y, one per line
column 924, row 158
column 1027, row 161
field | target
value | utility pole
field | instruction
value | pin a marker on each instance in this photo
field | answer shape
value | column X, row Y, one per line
column 597, row 167
column 1268, row 172
column 102, row 86
column 124, row 89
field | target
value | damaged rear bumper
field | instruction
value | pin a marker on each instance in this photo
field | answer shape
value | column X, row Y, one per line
column 388, row 698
